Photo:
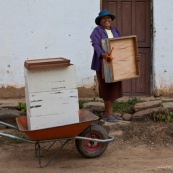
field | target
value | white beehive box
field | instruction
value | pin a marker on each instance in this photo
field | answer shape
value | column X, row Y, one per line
column 51, row 93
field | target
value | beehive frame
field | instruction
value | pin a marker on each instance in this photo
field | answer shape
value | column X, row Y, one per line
column 124, row 64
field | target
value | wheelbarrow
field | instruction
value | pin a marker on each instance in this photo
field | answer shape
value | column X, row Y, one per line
column 91, row 139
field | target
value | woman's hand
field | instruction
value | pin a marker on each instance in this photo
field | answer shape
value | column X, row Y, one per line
column 106, row 57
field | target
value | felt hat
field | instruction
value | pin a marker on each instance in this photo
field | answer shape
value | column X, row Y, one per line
column 102, row 14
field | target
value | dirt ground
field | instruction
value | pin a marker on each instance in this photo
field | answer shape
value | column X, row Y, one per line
column 144, row 147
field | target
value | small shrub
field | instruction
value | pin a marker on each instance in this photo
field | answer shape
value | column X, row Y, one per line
column 22, row 107
column 125, row 106
column 163, row 115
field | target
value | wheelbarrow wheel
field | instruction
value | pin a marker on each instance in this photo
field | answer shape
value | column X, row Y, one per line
column 91, row 149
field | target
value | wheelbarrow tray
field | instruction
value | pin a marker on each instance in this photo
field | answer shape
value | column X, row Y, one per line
column 66, row 131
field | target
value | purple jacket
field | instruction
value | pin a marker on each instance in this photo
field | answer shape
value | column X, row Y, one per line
column 96, row 36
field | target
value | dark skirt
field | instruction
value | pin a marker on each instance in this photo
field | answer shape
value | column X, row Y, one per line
column 109, row 91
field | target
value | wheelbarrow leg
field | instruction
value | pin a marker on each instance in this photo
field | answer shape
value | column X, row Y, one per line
column 38, row 149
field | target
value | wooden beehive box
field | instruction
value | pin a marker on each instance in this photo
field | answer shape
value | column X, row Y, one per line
column 124, row 64
column 51, row 93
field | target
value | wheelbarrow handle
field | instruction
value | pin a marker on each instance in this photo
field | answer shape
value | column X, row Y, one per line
column 16, row 137
column 8, row 125
column 110, row 139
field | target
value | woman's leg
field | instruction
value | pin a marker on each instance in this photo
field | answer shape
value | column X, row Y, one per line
column 108, row 109
column 108, row 92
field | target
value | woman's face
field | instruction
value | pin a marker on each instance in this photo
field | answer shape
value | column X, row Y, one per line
column 106, row 22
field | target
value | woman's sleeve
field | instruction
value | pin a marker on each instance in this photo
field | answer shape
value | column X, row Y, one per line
column 96, row 42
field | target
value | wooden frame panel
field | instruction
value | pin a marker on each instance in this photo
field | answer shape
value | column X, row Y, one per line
column 124, row 64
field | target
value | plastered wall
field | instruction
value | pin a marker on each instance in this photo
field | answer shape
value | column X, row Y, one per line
column 33, row 29
column 163, row 47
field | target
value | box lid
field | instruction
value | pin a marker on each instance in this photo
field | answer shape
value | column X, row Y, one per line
column 46, row 63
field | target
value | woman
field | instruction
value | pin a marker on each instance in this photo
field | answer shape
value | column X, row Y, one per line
column 109, row 92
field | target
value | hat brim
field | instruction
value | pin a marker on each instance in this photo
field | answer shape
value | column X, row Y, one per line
column 97, row 20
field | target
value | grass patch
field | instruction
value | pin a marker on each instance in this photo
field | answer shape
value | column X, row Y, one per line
column 121, row 107
column 125, row 107
column 21, row 107
column 163, row 116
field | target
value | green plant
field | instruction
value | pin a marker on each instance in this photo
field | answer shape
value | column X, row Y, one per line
column 170, row 116
column 22, row 107
column 163, row 115
column 81, row 102
column 125, row 106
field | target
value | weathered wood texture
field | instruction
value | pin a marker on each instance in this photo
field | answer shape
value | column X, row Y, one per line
column 51, row 95
column 46, row 63
column 124, row 64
